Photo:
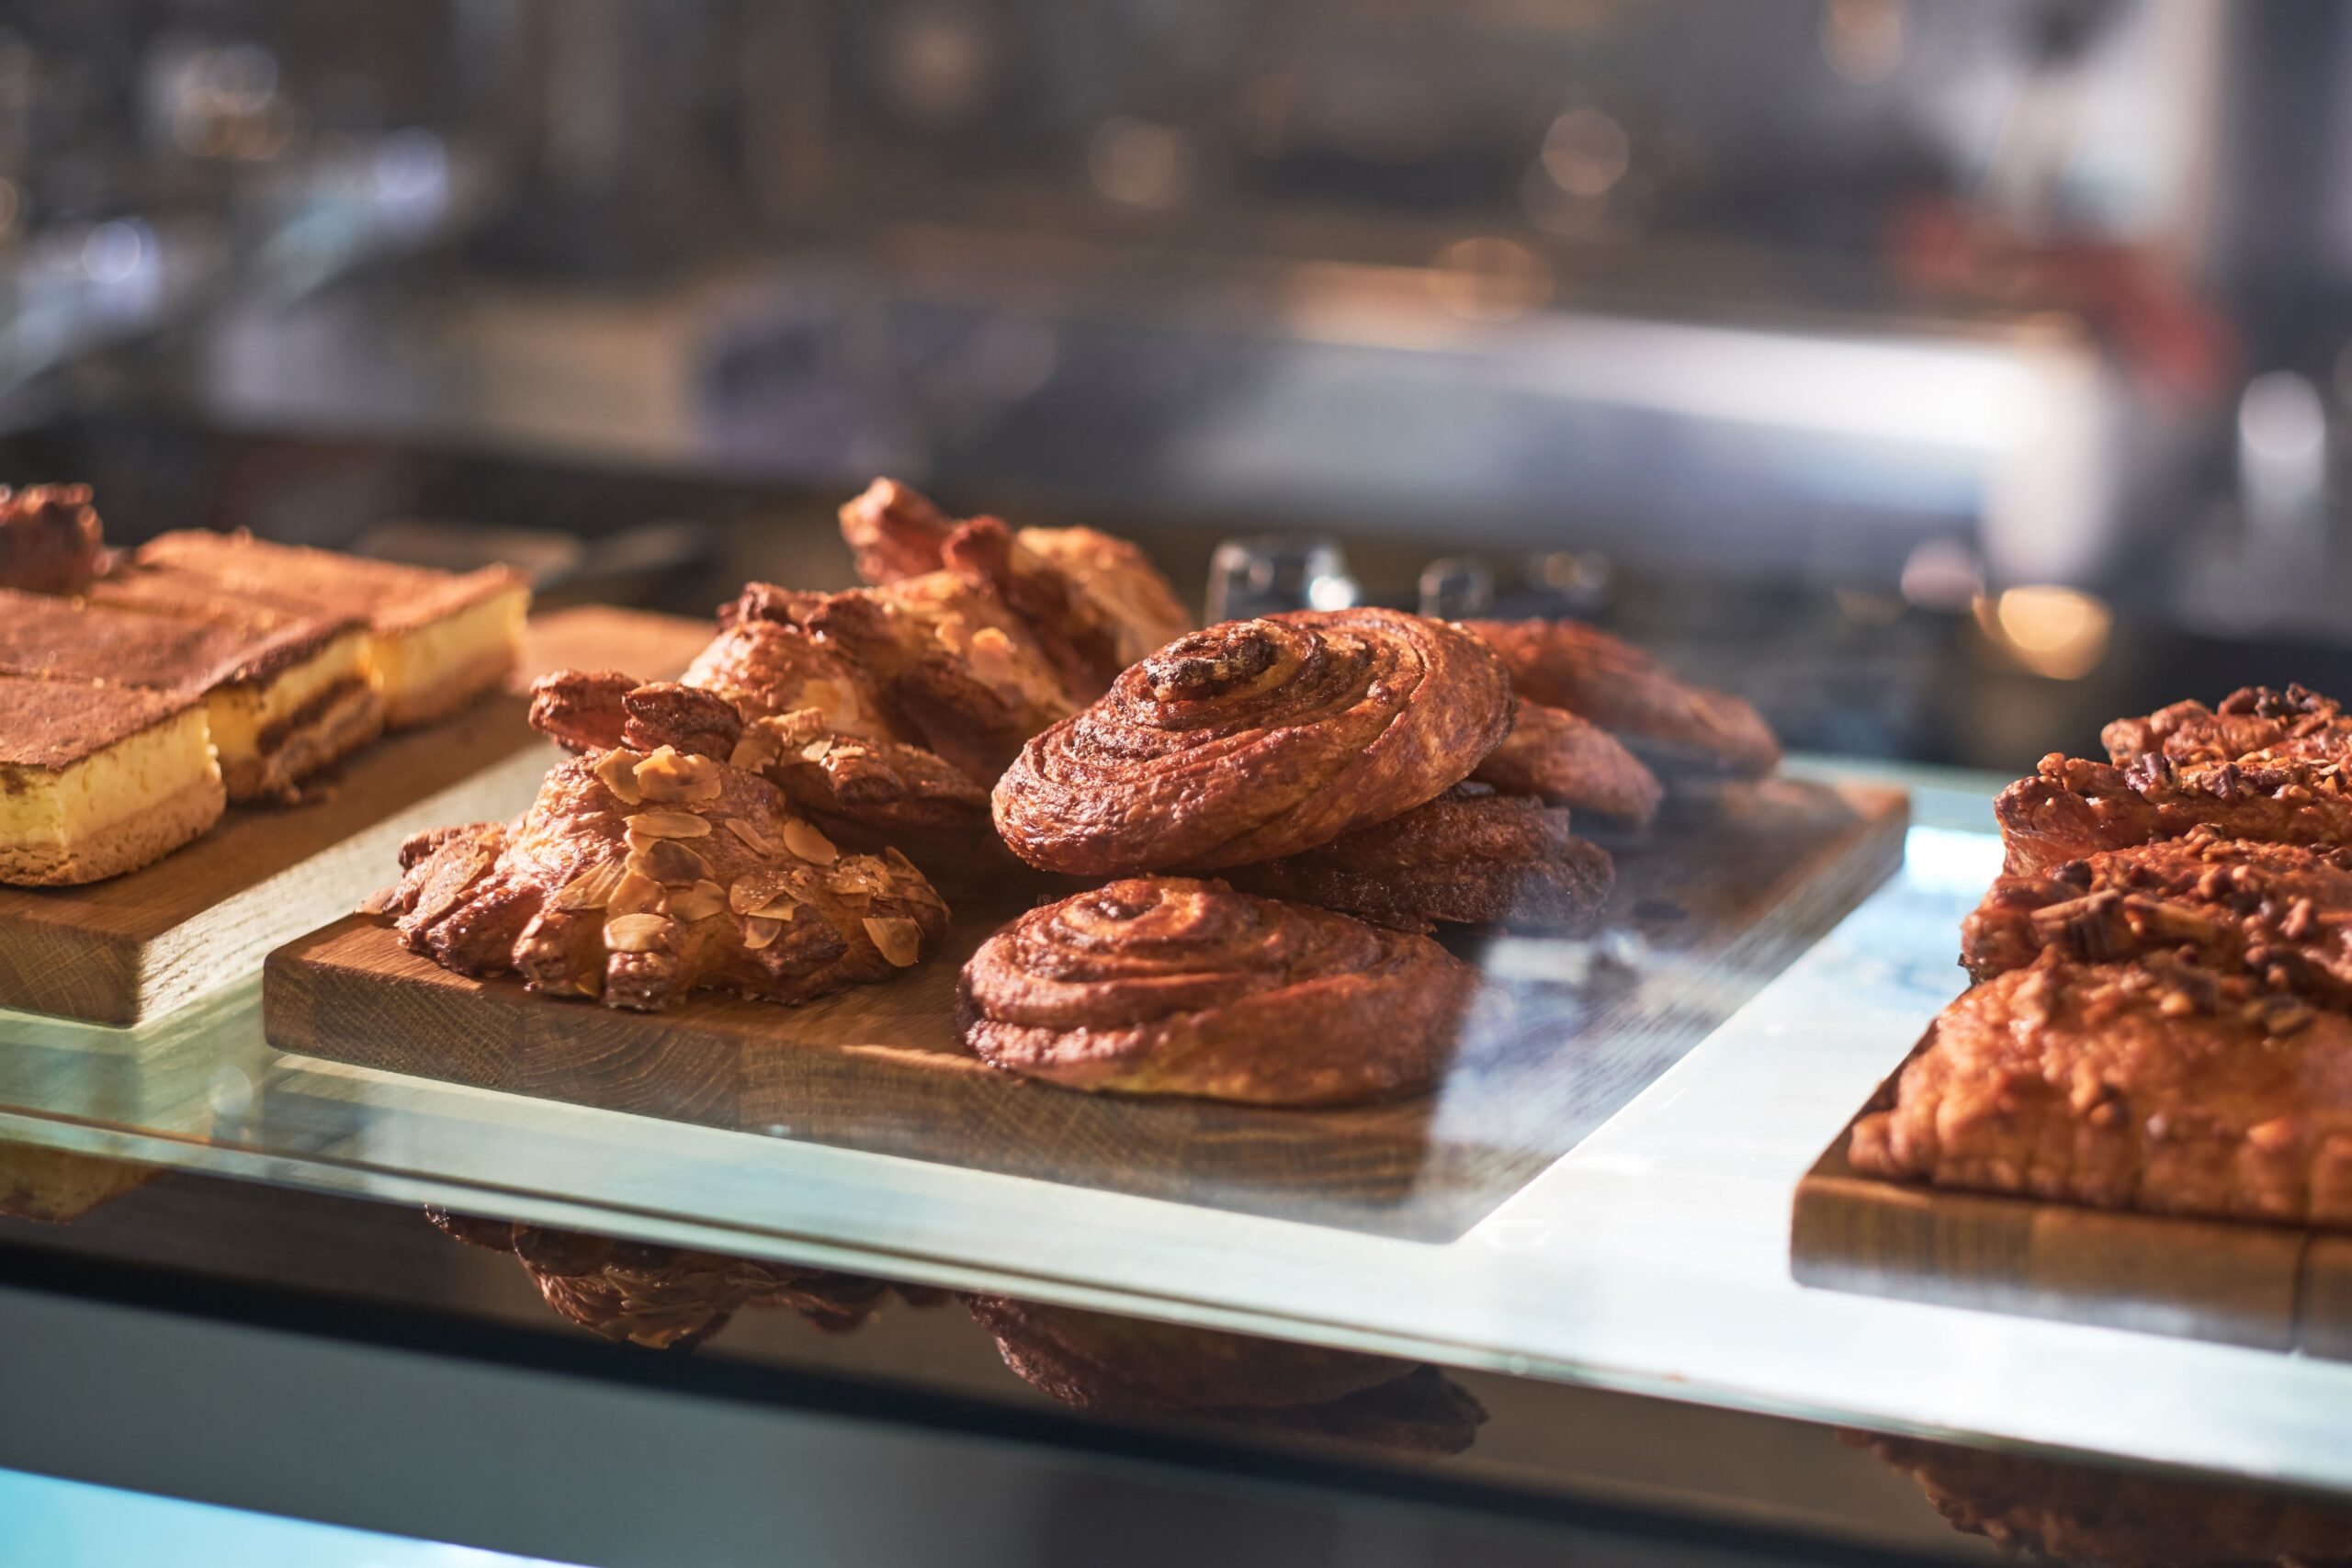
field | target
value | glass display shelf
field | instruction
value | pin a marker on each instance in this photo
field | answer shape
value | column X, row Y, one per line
column 1653, row 1259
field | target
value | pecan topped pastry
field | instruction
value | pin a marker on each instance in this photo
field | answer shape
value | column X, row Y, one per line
column 2277, row 911
column 50, row 540
column 2158, row 1085
column 1673, row 725
column 655, row 868
column 1468, row 857
column 1256, row 740
column 1169, row 985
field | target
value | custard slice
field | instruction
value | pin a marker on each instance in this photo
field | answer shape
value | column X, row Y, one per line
column 284, row 697
column 438, row 639
column 97, row 780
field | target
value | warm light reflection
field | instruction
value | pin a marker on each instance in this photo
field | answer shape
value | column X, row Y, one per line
column 1490, row 279
column 2058, row 632
column 1862, row 39
column 1137, row 162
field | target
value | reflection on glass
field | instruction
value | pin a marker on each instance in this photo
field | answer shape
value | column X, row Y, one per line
column 57, row 1187
column 2074, row 1513
column 1273, row 572
column 1128, row 1366
column 667, row 1298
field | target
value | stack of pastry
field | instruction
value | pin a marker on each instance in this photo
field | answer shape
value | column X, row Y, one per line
column 2163, row 1013
column 143, row 694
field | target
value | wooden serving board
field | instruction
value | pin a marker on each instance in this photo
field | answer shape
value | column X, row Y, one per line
column 1711, row 905
column 129, row 947
column 2272, row 1287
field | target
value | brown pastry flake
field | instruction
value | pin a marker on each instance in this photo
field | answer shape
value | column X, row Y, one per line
column 1169, row 985
column 1256, row 740
column 1676, row 726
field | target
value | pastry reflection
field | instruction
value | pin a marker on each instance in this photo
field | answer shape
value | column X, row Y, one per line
column 1124, row 1366
column 57, row 1186
column 667, row 1298
column 2048, row 1511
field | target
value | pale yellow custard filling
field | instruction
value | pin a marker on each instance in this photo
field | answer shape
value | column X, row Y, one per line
column 241, row 712
column 61, row 809
column 468, row 650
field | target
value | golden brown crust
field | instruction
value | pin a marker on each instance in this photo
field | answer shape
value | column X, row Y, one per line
column 894, row 792
column 2297, row 722
column 894, row 531
column 2157, row 1086
column 2074, row 808
column 1569, row 761
column 1468, row 857
column 179, row 817
column 1256, row 740
column 2279, row 912
column 51, row 540
column 768, row 667
column 639, row 877
column 1168, row 986
column 1676, row 726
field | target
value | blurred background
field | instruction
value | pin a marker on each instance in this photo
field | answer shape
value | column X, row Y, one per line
column 1947, row 376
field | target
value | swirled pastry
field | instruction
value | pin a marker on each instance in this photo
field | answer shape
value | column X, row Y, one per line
column 1170, row 985
column 639, row 877
column 1470, row 857
column 1256, row 740
column 1673, row 725
column 1567, row 761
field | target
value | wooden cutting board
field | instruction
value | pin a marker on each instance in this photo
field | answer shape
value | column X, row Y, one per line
column 1711, row 905
column 2273, row 1287
column 131, row 947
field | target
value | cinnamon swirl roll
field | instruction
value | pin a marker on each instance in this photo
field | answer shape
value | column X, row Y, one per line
column 1170, row 985
column 1256, row 740
column 1675, row 727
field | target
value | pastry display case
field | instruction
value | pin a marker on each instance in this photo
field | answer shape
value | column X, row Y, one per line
column 953, row 751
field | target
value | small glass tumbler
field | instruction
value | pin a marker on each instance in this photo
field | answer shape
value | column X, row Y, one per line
column 1272, row 572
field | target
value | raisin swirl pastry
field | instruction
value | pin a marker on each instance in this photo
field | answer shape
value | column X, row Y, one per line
column 1256, row 740
column 1170, row 985
column 653, row 869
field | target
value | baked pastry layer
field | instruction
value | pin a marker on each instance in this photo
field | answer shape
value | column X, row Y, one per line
column 1673, row 725
column 1169, row 985
column 1567, row 761
column 97, row 779
column 2157, row 1085
column 1256, row 740
column 1468, row 857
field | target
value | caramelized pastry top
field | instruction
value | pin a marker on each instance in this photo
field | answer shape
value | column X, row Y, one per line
column 1256, row 740
column 1169, row 985
column 1676, row 726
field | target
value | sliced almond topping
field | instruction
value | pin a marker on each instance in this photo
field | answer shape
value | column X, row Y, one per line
column 815, row 752
column 748, row 831
column 617, row 771
column 453, row 872
column 900, row 940
column 674, row 775
column 781, row 907
column 759, row 931
column 668, row 825
column 755, row 750
column 669, row 862
column 754, row 888
column 808, row 843
column 637, row 933
column 699, row 902
column 859, row 874
column 637, row 894
column 592, row 889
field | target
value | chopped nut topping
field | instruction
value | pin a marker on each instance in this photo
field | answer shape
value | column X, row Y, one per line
column 859, row 875
column 815, row 751
column 668, row 825
column 617, row 771
column 803, row 839
column 899, row 939
column 637, row 933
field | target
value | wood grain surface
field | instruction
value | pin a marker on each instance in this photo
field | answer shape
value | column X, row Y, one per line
column 132, row 946
column 1712, row 903
column 2272, row 1287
